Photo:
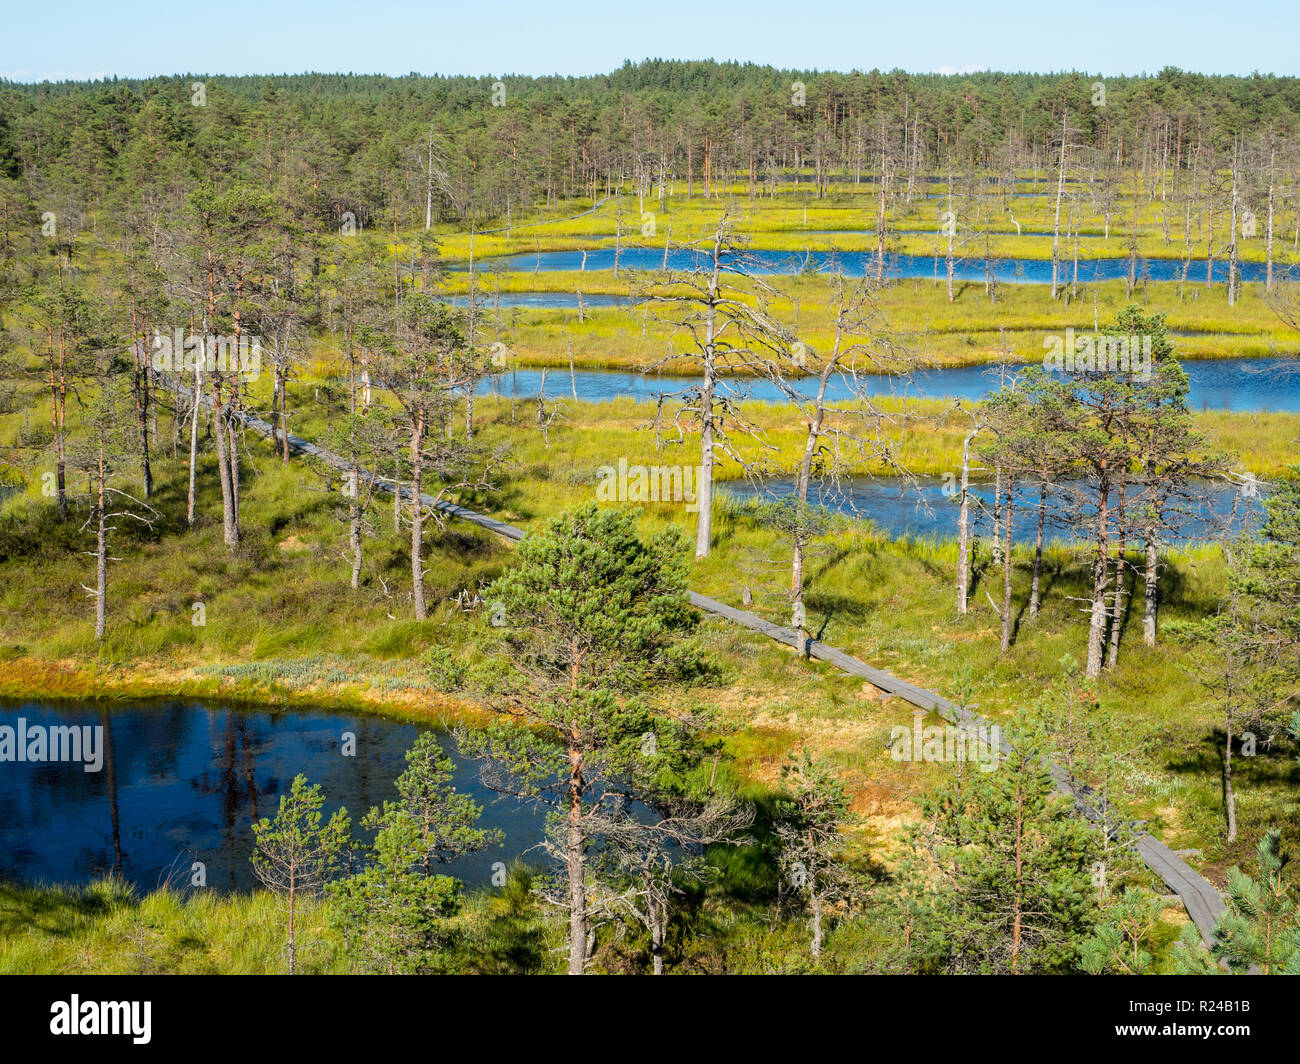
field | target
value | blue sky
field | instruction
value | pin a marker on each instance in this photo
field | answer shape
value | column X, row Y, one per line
column 95, row 38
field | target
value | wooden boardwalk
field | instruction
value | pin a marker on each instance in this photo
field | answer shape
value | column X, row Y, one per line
column 1199, row 897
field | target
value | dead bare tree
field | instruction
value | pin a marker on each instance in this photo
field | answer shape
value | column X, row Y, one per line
column 731, row 333
column 646, row 864
column 847, row 432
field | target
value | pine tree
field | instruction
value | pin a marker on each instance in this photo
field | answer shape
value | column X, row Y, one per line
column 445, row 821
column 1122, row 942
column 1015, row 865
column 1261, row 927
column 394, row 912
column 591, row 613
column 294, row 855
column 812, row 847
column 1190, row 955
column 394, row 917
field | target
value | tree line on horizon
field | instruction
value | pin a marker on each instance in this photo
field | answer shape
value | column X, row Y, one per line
column 400, row 151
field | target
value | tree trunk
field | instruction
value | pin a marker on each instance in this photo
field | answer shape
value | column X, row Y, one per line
column 1017, row 915
column 101, row 553
column 997, row 513
column 880, row 219
column 194, row 446
column 293, row 945
column 658, row 931
column 428, row 202
column 1074, row 268
column 803, row 478
column 1268, row 246
column 1118, row 596
column 576, row 864
column 704, row 529
column 1034, row 589
column 1234, row 236
column 1149, row 587
column 284, row 418
column 140, row 390
column 1131, row 280
column 1121, row 587
column 816, row 902
column 1229, row 796
column 417, row 517
column 963, row 528
column 796, row 587
column 1101, row 574
column 618, row 240
column 232, row 453
column 1056, row 225
column 1006, row 571
column 1209, row 238
column 56, row 420
column 230, row 520
column 354, row 521
column 952, row 234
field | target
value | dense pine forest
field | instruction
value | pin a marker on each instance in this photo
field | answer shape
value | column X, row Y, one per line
column 333, row 144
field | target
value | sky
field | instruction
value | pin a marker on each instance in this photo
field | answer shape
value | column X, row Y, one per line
column 80, row 39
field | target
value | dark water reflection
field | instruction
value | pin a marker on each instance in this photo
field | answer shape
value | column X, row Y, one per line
column 183, row 782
